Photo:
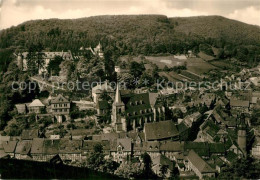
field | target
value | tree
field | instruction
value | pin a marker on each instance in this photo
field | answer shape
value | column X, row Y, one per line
column 148, row 173
column 177, row 113
column 136, row 69
column 54, row 65
column 96, row 158
column 164, row 169
column 35, row 59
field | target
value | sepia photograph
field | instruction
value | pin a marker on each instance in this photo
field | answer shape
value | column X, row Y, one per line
column 129, row 89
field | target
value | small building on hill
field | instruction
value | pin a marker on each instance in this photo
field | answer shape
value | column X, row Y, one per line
column 36, row 107
column 21, row 108
column 60, row 107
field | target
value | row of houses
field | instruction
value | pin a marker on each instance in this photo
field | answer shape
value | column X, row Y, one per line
column 121, row 147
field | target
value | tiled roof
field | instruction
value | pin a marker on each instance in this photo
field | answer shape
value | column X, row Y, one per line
column 239, row 103
column 70, row 146
column 173, row 146
column 199, row 147
column 113, row 136
column 21, row 108
column 160, row 130
column 136, row 102
column 9, row 147
column 36, row 103
column 4, row 139
column 151, row 146
column 59, row 99
column 199, row 163
column 125, row 143
column 153, row 98
column 51, row 146
column 89, row 145
column 23, row 147
column 163, row 160
column 37, row 146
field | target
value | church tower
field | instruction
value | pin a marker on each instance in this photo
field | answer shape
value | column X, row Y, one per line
column 241, row 135
column 118, row 110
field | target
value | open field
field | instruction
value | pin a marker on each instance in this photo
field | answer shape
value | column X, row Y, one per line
column 195, row 65
column 198, row 66
column 223, row 64
column 162, row 61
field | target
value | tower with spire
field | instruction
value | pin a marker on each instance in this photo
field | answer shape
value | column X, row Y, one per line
column 118, row 110
column 241, row 135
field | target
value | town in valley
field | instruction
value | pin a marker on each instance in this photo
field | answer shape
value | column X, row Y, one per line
column 188, row 112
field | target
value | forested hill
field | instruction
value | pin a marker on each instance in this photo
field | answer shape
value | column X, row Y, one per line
column 138, row 33
column 218, row 27
column 135, row 34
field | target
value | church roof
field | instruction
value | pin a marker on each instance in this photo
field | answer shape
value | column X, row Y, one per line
column 134, row 103
column 118, row 100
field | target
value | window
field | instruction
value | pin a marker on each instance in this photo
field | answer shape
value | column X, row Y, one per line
column 65, row 105
column 60, row 105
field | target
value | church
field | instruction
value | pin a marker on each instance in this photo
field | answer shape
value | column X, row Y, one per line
column 130, row 111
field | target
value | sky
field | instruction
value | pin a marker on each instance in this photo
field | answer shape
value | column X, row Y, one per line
column 14, row 12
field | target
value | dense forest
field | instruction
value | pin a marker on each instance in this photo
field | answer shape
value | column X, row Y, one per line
column 136, row 34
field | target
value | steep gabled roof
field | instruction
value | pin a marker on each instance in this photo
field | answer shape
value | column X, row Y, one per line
column 153, row 98
column 136, row 102
column 126, row 144
column 199, row 163
column 59, row 99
